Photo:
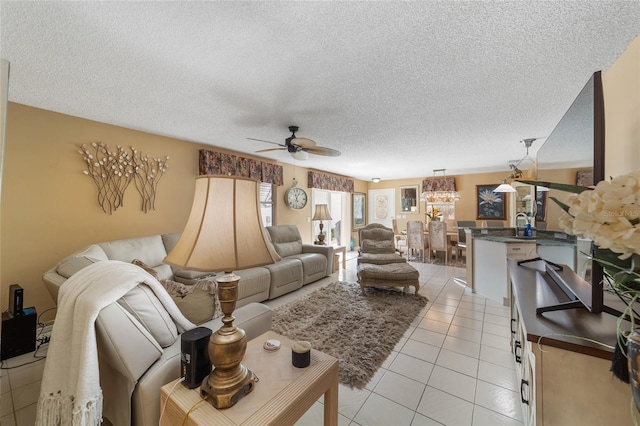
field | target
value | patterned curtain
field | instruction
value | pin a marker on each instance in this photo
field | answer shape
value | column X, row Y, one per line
column 272, row 173
column 439, row 184
column 248, row 167
column 329, row 182
column 218, row 163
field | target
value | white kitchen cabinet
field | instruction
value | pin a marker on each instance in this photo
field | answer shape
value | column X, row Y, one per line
column 490, row 277
column 563, row 380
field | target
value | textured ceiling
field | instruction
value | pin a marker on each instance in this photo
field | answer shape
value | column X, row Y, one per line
column 400, row 88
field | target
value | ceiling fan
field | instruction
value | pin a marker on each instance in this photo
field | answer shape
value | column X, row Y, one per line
column 299, row 148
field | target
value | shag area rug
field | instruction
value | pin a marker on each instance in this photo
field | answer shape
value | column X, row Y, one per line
column 360, row 331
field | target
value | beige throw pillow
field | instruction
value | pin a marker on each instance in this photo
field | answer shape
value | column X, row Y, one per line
column 198, row 302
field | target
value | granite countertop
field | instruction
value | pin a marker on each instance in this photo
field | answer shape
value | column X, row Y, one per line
column 506, row 240
column 520, row 240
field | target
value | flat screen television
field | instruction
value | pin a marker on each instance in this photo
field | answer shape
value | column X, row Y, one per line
column 577, row 142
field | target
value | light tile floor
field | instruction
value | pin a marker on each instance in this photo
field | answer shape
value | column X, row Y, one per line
column 452, row 367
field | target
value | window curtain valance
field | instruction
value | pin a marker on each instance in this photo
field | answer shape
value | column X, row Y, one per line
column 329, row 182
column 219, row 163
column 439, row 184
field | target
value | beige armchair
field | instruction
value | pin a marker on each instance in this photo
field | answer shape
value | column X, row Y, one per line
column 377, row 245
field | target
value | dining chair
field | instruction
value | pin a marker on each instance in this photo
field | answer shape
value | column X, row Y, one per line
column 416, row 239
column 438, row 240
column 462, row 235
column 495, row 224
column 401, row 239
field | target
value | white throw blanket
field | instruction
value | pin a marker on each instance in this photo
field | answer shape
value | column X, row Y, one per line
column 70, row 393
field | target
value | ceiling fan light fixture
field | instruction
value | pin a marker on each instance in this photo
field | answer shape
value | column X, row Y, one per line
column 299, row 148
column 300, row 155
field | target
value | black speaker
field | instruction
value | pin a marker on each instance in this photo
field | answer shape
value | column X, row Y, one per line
column 18, row 334
column 16, row 298
column 195, row 365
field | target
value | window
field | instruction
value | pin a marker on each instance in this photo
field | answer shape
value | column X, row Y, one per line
column 338, row 229
column 266, row 203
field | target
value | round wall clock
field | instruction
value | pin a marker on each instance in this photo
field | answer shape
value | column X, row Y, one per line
column 295, row 197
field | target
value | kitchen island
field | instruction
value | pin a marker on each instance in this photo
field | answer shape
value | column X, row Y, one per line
column 489, row 249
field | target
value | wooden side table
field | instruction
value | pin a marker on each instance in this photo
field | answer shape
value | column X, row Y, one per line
column 281, row 396
column 342, row 250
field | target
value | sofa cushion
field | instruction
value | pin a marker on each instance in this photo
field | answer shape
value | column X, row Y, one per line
column 170, row 240
column 377, row 246
column 148, row 249
column 314, row 266
column 286, row 276
column 380, row 258
column 253, row 281
column 77, row 261
column 143, row 305
column 286, row 239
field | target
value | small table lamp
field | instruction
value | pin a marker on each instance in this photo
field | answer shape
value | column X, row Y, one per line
column 322, row 213
column 224, row 232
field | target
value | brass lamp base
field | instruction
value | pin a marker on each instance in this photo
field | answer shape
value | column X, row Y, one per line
column 227, row 396
column 321, row 236
column 229, row 379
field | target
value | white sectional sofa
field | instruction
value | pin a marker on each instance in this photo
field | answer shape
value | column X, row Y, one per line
column 301, row 264
column 133, row 364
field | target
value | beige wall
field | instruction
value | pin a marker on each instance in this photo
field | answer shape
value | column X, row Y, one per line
column 49, row 207
column 466, row 186
column 621, row 86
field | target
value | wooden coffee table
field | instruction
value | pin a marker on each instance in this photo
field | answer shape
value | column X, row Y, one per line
column 281, row 396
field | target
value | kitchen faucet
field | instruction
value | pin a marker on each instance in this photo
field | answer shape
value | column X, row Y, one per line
column 527, row 229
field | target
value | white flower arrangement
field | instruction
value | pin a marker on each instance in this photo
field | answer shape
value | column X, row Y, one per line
column 609, row 214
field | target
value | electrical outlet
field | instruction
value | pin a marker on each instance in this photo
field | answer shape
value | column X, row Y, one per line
column 43, row 336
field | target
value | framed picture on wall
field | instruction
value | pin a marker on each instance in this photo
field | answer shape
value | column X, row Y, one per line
column 359, row 210
column 409, row 199
column 490, row 205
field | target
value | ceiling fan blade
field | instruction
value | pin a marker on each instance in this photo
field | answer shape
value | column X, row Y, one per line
column 271, row 149
column 302, row 142
column 262, row 140
column 321, row 150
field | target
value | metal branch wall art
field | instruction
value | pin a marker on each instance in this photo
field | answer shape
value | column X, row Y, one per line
column 147, row 175
column 113, row 171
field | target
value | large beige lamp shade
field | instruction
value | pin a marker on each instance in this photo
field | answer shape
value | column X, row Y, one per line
column 224, row 232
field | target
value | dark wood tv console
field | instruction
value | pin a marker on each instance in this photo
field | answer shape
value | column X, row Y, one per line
column 564, row 380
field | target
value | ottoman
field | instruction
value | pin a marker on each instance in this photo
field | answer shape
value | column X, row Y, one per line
column 391, row 274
